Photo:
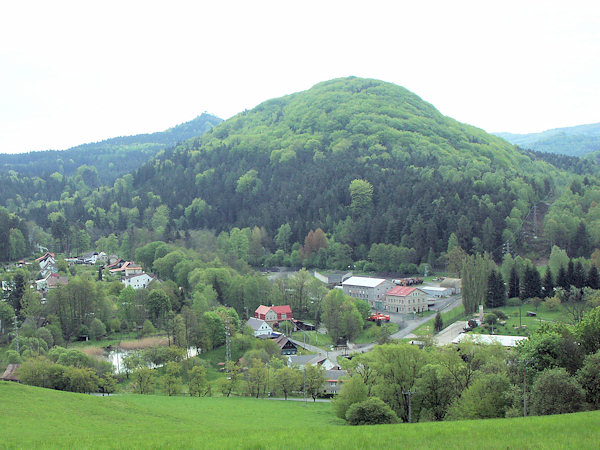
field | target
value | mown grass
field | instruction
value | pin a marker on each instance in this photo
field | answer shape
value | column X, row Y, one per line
column 35, row 417
column 448, row 317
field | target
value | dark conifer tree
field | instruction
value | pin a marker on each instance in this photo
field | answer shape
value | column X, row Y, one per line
column 16, row 293
column 548, row 284
column 562, row 280
column 438, row 325
column 581, row 241
column 579, row 277
column 570, row 273
column 496, row 293
column 513, row 283
column 531, row 285
column 593, row 278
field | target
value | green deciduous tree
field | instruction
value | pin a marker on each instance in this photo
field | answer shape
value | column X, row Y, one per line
column 353, row 391
column 556, row 392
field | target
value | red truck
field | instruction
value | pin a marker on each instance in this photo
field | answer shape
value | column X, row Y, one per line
column 378, row 317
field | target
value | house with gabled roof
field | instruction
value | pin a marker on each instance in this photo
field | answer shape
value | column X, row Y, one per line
column 138, row 280
column 287, row 347
column 128, row 268
column 274, row 314
column 406, row 300
column 260, row 327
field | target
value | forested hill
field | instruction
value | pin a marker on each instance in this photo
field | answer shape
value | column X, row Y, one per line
column 573, row 141
column 112, row 157
column 294, row 160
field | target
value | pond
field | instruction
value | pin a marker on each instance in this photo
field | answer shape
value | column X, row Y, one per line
column 116, row 355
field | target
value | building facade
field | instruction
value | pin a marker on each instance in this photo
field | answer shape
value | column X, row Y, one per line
column 370, row 289
column 406, row 300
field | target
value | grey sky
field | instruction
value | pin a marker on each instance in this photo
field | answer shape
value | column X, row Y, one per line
column 73, row 71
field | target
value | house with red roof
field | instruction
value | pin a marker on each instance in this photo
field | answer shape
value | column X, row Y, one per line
column 128, row 268
column 406, row 300
column 274, row 314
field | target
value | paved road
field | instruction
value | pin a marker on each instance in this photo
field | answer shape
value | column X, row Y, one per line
column 410, row 325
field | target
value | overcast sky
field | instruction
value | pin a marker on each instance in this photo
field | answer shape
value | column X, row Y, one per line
column 73, row 72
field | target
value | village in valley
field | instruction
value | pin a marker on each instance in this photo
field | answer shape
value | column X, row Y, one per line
column 397, row 305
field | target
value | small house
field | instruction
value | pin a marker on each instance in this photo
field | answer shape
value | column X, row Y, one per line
column 260, row 327
column 287, row 347
column 273, row 314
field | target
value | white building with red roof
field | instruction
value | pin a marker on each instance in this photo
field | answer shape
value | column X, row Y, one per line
column 273, row 314
column 406, row 300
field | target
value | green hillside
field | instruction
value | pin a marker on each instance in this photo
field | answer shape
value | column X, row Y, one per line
column 573, row 141
column 292, row 160
column 35, row 417
column 111, row 158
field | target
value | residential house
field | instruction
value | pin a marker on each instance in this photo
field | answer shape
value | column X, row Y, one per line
column 370, row 289
column 287, row 347
column 45, row 257
column 333, row 381
column 115, row 263
column 406, row 300
column 274, row 314
column 89, row 258
column 301, row 361
column 127, row 268
column 260, row 327
column 50, row 281
column 138, row 280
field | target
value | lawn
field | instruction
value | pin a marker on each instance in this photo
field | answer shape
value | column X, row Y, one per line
column 448, row 317
column 36, row 417
column 524, row 325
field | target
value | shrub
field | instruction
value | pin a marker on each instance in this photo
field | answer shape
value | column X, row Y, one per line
column 552, row 303
column 472, row 323
column 556, row 392
column 370, row 412
column 500, row 314
column 97, row 329
column 148, row 328
column 353, row 391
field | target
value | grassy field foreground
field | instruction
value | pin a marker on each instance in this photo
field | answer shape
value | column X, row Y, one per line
column 35, row 417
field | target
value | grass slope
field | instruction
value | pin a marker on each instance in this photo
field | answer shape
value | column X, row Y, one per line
column 34, row 417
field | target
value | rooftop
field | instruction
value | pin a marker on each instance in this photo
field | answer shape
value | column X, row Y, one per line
column 401, row 291
column 363, row 281
column 505, row 341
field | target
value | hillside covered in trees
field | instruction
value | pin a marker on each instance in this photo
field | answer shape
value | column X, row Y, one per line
column 350, row 170
column 111, row 158
column 573, row 141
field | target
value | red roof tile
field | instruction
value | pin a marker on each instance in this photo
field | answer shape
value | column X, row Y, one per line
column 401, row 291
column 283, row 309
column 262, row 309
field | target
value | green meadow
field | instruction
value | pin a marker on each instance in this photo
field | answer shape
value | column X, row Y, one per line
column 34, row 417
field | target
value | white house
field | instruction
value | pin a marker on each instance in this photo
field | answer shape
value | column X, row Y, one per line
column 260, row 327
column 138, row 281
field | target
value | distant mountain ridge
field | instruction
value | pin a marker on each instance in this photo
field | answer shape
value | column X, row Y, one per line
column 112, row 157
column 573, row 141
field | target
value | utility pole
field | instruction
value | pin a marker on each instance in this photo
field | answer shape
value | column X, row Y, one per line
column 409, row 393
